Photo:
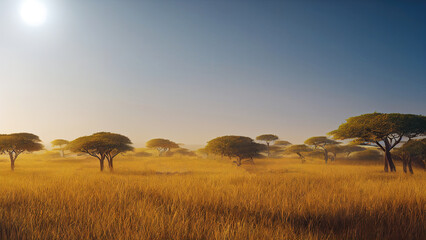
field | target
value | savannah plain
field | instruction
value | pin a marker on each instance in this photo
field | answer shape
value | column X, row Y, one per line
column 49, row 197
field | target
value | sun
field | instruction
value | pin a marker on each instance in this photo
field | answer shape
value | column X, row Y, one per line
column 33, row 12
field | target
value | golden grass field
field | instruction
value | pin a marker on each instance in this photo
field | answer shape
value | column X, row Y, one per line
column 190, row 198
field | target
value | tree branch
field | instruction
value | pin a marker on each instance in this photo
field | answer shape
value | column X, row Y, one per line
column 396, row 142
column 378, row 144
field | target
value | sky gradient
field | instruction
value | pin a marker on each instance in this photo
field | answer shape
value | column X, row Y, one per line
column 194, row 70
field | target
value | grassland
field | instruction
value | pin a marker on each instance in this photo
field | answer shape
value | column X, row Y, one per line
column 190, row 198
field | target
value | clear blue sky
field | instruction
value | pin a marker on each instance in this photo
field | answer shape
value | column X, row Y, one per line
column 194, row 70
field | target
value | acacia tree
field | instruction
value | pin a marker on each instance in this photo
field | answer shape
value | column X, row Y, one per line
column 282, row 143
column 162, row 145
column 412, row 150
column 348, row 149
column 238, row 147
column 102, row 145
column 61, row 144
column 321, row 142
column 267, row 138
column 117, row 144
column 277, row 149
column 298, row 149
column 16, row 143
column 385, row 130
column 335, row 149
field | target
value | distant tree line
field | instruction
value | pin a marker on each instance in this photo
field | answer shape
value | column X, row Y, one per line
column 397, row 135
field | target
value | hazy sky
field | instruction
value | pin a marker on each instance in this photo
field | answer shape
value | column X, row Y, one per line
column 194, row 70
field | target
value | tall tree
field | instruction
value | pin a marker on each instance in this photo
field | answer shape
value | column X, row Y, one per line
column 117, row 144
column 162, row 145
column 238, row 147
column 61, row 144
column 102, row 145
column 16, row 143
column 385, row 130
column 267, row 138
column 322, row 143
column 298, row 149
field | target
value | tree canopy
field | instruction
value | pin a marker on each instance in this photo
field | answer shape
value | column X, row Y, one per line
column 321, row 142
column 102, row 145
column 61, row 143
column 282, row 143
column 267, row 138
column 162, row 145
column 238, row 147
column 385, row 130
column 298, row 149
column 16, row 143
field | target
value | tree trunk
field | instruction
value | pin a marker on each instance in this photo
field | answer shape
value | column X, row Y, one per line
column 12, row 165
column 410, row 168
column 62, row 153
column 111, row 165
column 12, row 161
column 389, row 160
column 301, row 157
column 325, row 155
column 267, row 147
column 404, row 164
column 386, row 168
column 101, row 162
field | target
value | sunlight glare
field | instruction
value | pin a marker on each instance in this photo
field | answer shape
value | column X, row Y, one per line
column 33, row 12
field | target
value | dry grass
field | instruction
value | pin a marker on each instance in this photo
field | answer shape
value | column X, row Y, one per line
column 173, row 198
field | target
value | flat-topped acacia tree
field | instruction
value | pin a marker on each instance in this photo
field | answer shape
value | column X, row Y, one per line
column 16, row 143
column 298, row 149
column 347, row 149
column 282, row 143
column 102, row 145
column 335, row 149
column 321, row 142
column 238, row 147
column 268, row 139
column 162, row 145
column 385, row 130
column 61, row 144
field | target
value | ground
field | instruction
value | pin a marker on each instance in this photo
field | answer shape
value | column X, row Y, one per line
column 47, row 197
